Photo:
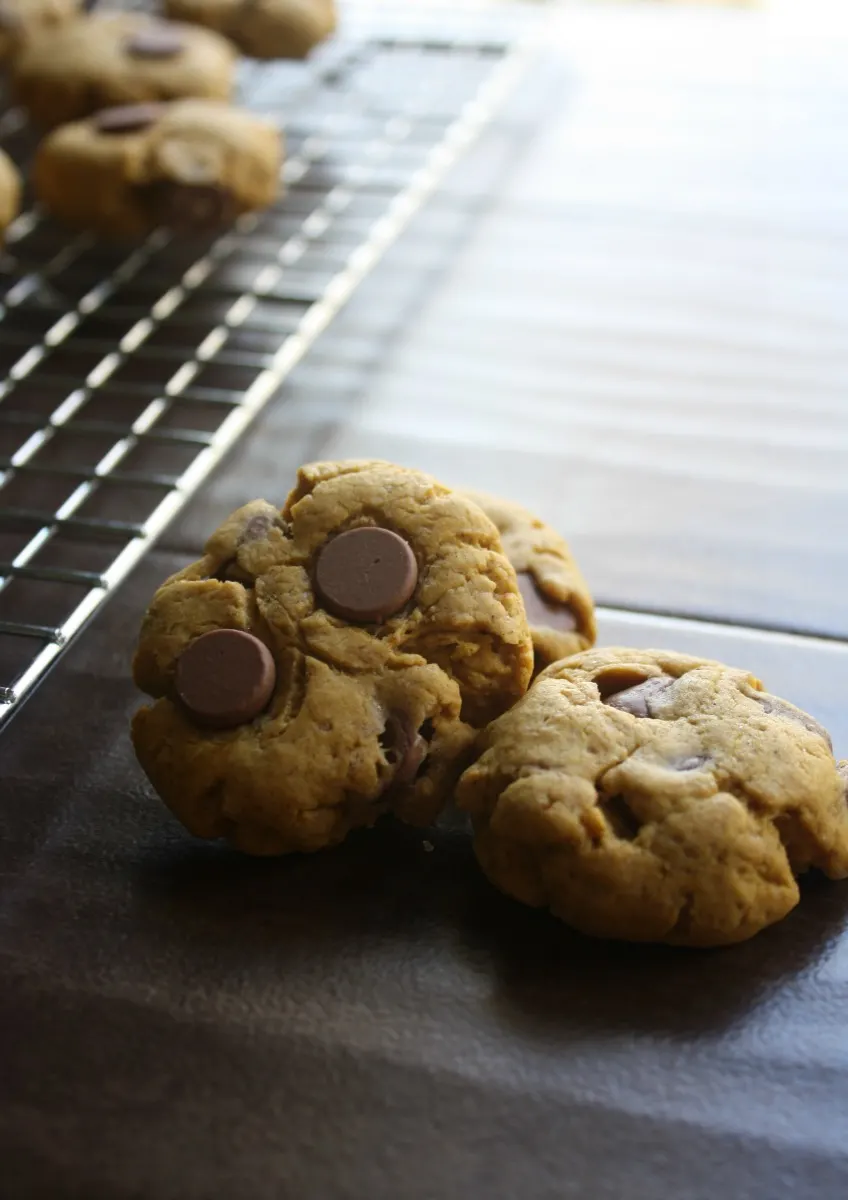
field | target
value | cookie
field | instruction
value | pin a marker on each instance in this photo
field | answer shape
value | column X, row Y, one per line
column 10, row 192
column 115, row 59
column 262, row 28
column 191, row 165
column 329, row 662
column 557, row 600
column 651, row 796
column 22, row 20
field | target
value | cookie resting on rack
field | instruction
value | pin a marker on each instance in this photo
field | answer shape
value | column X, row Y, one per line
column 262, row 28
column 329, row 662
column 10, row 192
column 557, row 599
column 651, row 796
column 23, row 20
column 118, row 58
column 193, row 165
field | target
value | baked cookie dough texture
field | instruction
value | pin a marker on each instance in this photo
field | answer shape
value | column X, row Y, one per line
column 191, row 165
column 652, row 796
column 329, row 662
column 556, row 597
column 262, row 28
column 108, row 59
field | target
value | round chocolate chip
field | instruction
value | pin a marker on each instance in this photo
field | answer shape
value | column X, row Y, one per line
column 191, row 208
column 225, row 678
column 404, row 749
column 156, row 41
column 541, row 610
column 127, row 118
column 639, row 701
column 366, row 574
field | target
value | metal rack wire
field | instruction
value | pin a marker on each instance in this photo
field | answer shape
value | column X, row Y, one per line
column 127, row 372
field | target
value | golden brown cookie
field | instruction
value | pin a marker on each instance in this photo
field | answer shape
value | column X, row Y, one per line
column 557, row 599
column 192, row 165
column 10, row 192
column 118, row 58
column 380, row 624
column 652, row 796
column 262, row 28
column 23, row 20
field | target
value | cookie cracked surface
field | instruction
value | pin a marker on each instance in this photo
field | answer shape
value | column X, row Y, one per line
column 652, row 796
column 369, row 712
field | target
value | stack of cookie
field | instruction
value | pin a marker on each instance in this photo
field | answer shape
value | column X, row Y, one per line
column 385, row 645
column 141, row 132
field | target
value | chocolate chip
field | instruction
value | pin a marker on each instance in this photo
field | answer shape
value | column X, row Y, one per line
column 191, row 207
column 541, row 610
column 127, row 118
column 781, row 708
column 156, row 41
column 258, row 528
column 618, row 679
column 639, row 700
column 225, row 678
column 404, row 749
column 690, row 762
column 366, row 574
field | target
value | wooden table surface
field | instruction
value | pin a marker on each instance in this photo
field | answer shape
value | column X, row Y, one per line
column 629, row 310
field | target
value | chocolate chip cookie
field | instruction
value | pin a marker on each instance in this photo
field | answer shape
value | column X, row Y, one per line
column 329, row 662
column 22, row 20
column 192, row 165
column 10, row 192
column 117, row 58
column 656, row 797
column 262, row 28
column 557, row 600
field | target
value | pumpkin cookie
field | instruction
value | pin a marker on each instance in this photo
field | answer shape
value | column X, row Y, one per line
column 655, row 797
column 192, row 165
column 118, row 58
column 329, row 662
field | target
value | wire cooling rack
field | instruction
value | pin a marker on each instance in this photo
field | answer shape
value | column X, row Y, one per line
column 127, row 372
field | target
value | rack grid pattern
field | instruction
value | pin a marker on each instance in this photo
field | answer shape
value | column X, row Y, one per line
column 127, row 372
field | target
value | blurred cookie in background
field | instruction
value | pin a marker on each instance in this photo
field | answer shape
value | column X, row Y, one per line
column 262, row 28
column 107, row 59
column 193, row 165
column 21, row 20
column 10, row 193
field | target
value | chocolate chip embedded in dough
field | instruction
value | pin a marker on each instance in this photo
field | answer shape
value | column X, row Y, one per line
column 156, row 41
column 191, row 208
column 541, row 610
column 366, row 574
column 404, row 749
column 640, row 700
column 127, row 118
column 225, row 678
column 688, row 762
column 781, row 708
